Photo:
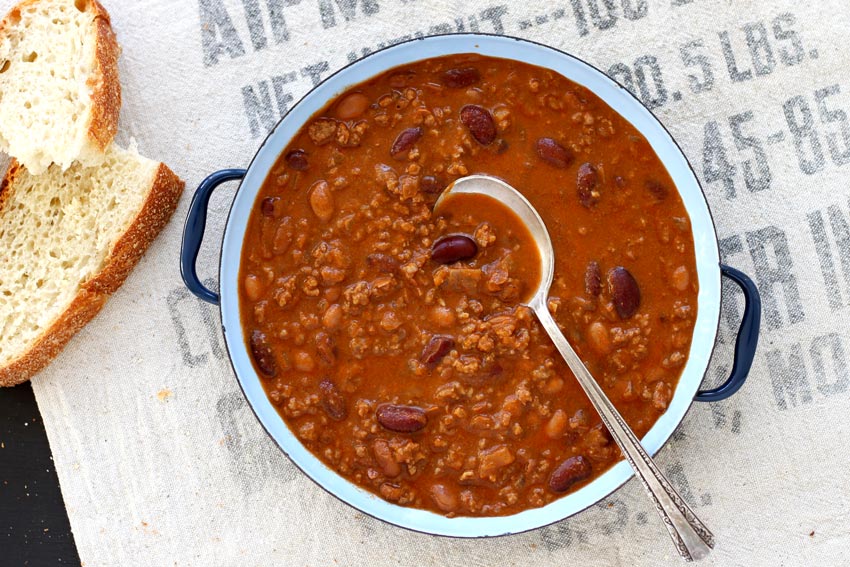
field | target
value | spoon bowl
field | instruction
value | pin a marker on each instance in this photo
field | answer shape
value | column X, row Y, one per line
column 692, row 538
column 497, row 189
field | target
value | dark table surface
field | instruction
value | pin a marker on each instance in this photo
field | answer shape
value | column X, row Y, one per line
column 34, row 527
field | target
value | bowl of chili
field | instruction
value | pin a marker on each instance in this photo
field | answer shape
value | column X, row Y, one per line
column 383, row 349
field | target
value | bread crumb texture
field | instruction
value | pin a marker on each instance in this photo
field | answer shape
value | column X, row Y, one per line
column 58, row 80
column 68, row 239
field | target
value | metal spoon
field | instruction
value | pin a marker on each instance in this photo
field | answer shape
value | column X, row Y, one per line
column 692, row 539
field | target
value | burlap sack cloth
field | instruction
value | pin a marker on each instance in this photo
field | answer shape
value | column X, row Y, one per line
column 162, row 462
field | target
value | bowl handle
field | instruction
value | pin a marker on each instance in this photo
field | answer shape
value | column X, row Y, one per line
column 193, row 232
column 745, row 345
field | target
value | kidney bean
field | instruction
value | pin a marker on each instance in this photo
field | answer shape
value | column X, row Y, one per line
column 656, row 189
column 297, row 160
column 325, row 347
column 587, row 184
column 405, row 141
column 382, row 263
column 438, row 347
column 430, row 184
column 352, row 106
column 322, row 200
column 592, row 279
column 624, row 291
column 332, row 400
column 490, row 369
column 462, row 77
column 267, row 206
column 262, row 353
column 480, row 123
column 401, row 419
column 554, row 153
column 571, row 471
column 453, row 248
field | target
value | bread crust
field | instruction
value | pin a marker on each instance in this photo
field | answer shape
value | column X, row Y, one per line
column 158, row 208
column 104, row 81
column 82, row 310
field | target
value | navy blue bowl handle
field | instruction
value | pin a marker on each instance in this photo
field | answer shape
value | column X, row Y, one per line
column 745, row 345
column 193, row 232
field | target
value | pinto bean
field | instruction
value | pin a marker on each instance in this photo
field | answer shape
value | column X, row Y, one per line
column 262, row 353
column 462, row 77
column 442, row 316
column 322, row 200
column 400, row 418
column 600, row 341
column 569, row 472
column 332, row 318
column 554, row 153
column 253, row 287
column 331, row 275
column 405, row 141
column 385, row 459
column 444, row 498
column 303, row 361
column 480, row 123
column 438, row 347
column 390, row 321
column 624, row 291
column 332, row 400
column 453, row 248
column 556, row 425
column 681, row 278
column 352, row 106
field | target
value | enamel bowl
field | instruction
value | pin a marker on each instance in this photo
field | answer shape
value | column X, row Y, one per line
column 709, row 272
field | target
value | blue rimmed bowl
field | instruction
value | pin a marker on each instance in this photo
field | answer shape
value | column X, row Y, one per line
column 709, row 273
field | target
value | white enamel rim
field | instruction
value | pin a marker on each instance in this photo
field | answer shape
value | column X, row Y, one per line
column 705, row 241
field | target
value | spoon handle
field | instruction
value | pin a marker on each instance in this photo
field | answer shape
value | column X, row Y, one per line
column 692, row 538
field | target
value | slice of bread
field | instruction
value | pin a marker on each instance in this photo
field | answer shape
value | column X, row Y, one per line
column 68, row 239
column 59, row 90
